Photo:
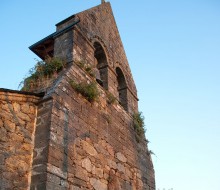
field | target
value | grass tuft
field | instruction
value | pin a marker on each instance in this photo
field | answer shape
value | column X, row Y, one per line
column 42, row 71
column 110, row 98
column 138, row 124
column 89, row 91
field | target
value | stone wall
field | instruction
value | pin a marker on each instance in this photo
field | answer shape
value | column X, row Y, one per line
column 41, row 145
column 17, row 127
column 91, row 145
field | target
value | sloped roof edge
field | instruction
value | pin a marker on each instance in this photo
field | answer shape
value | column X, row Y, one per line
column 53, row 35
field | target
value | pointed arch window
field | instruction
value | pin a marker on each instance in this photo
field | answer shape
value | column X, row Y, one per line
column 101, row 65
column 122, row 89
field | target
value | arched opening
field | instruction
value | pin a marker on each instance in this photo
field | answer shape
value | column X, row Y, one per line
column 122, row 89
column 101, row 65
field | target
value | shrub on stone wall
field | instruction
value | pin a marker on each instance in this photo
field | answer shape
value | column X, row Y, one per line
column 138, row 124
column 85, row 66
column 89, row 91
column 110, row 98
column 150, row 152
column 42, row 71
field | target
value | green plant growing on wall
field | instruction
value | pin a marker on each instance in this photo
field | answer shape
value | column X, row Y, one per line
column 107, row 118
column 110, row 98
column 41, row 71
column 89, row 70
column 81, row 63
column 89, row 91
column 150, row 152
column 138, row 124
column 85, row 66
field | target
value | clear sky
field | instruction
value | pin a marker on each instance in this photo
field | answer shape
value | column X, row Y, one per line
column 173, row 48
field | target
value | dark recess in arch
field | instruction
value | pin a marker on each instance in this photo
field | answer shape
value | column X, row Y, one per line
column 101, row 65
column 122, row 89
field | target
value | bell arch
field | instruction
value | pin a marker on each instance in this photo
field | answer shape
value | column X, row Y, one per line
column 122, row 88
column 101, row 65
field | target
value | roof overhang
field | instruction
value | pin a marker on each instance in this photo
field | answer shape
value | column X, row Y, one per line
column 45, row 47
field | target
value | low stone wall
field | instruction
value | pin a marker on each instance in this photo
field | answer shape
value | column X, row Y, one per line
column 17, row 126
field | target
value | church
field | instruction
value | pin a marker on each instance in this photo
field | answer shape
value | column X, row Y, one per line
column 75, row 124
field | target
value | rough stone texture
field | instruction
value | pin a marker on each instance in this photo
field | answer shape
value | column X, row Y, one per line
column 86, row 163
column 17, row 119
column 97, row 184
column 121, row 157
column 89, row 148
column 78, row 144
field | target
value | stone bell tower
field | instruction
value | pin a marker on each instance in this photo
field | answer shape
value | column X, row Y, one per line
column 80, row 142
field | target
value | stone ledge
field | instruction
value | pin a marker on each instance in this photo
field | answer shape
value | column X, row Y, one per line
column 12, row 95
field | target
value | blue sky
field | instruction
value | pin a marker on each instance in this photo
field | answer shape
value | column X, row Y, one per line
column 173, row 48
